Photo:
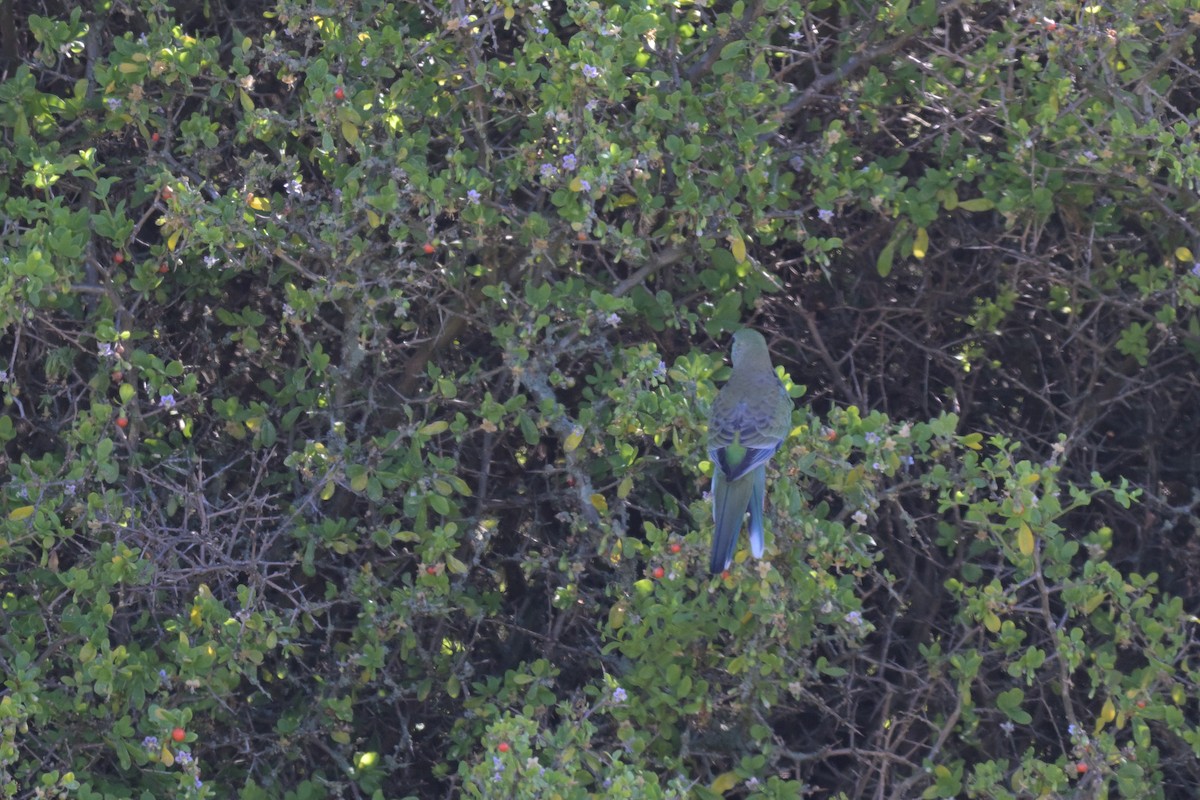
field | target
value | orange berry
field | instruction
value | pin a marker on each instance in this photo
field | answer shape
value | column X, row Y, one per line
column 428, row 248
column 676, row 547
column 502, row 747
column 122, row 422
column 1141, row 703
column 339, row 93
column 659, row 572
column 178, row 734
column 119, row 257
column 1081, row 767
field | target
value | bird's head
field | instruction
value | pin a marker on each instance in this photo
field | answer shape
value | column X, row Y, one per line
column 748, row 345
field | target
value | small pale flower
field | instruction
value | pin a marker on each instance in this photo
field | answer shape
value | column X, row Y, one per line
column 106, row 349
column 590, row 72
column 584, row 185
column 3, row 376
column 473, row 197
column 1196, row 269
column 796, row 36
column 548, row 170
column 825, row 214
column 660, row 370
column 569, row 162
column 167, row 401
column 872, row 438
column 199, row 783
column 855, row 618
column 541, row 30
column 113, row 103
column 619, row 695
column 860, row 517
column 150, row 742
column 183, row 757
column 613, row 319
column 210, row 261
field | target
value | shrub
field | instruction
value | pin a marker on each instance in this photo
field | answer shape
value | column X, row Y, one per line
column 359, row 363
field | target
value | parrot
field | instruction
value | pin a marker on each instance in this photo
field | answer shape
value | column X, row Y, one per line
column 750, row 418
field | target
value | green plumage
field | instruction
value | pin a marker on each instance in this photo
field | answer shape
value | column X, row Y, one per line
column 751, row 417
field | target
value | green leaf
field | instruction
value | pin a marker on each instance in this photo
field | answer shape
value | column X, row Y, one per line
column 977, row 204
column 1010, row 703
column 883, row 264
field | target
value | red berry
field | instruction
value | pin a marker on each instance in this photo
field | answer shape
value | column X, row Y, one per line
column 1081, row 767
column 431, row 570
column 676, row 547
column 1141, row 703
column 162, row 268
column 725, row 575
column 339, row 93
column 428, row 248
column 502, row 747
column 167, row 193
column 178, row 734
column 659, row 572
column 122, row 422
column 154, row 137
column 119, row 258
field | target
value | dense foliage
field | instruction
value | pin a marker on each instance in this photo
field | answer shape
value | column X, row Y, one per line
column 356, row 361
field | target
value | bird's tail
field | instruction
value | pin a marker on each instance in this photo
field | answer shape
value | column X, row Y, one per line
column 731, row 499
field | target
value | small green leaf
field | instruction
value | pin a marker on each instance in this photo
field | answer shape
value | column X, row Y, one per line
column 978, row 204
column 1010, row 703
column 883, row 264
column 23, row 512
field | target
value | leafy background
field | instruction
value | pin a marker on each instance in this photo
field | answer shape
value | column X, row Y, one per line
column 356, row 361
